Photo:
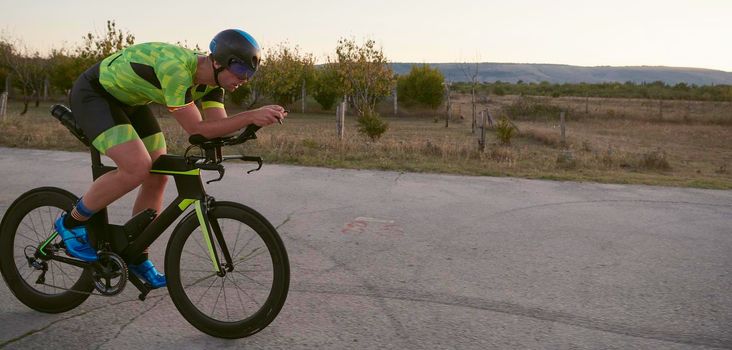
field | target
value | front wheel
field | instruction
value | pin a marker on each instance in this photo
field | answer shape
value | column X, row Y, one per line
column 251, row 291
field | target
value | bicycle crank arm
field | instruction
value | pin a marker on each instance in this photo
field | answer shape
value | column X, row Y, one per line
column 143, row 287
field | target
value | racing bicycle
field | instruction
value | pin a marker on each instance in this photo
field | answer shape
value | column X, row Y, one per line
column 227, row 269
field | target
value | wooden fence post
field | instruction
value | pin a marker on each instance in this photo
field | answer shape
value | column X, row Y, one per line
column 340, row 119
column 472, row 102
column 562, row 127
column 45, row 89
column 448, row 105
column 396, row 105
column 303, row 96
column 491, row 121
column 481, row 143
column 660, row 109
column 8, row 83
column 3, row 104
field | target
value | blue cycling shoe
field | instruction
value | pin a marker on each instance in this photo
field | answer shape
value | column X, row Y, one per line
column 147, row 272
column 76, row 241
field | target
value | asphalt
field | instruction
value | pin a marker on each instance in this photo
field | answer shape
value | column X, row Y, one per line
column 387, row 260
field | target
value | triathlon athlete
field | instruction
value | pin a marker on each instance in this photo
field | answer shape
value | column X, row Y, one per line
column 110, row 103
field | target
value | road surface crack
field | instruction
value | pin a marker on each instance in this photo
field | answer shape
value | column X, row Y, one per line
column 131, row 321
column 44, row 328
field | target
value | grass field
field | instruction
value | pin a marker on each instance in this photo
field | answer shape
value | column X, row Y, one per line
column 690, row 146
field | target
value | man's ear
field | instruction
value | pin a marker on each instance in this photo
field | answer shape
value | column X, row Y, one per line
column 215, row 63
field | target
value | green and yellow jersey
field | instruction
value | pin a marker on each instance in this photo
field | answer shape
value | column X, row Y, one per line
column 157, row 72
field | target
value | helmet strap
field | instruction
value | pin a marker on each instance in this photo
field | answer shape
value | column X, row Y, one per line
column 216, row 71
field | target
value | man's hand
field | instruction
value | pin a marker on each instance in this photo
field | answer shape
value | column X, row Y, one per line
column 268, row 115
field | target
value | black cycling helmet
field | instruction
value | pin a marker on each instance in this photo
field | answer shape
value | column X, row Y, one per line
column 237, row 51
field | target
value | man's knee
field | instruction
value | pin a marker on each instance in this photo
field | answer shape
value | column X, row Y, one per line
column 136, row 169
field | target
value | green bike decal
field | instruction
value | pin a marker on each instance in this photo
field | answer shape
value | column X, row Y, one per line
column 47, row 242
column 206, row 236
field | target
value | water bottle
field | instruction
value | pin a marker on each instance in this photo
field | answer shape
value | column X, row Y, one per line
column 64, row 115
column 137, row 224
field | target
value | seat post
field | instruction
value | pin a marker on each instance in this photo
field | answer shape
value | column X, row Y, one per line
column 98, row 169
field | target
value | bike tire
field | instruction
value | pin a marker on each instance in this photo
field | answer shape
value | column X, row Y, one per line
column 180, row 257
column 30, row 219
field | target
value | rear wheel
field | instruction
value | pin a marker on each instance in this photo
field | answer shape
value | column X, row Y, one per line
column 245, row 299
column 25, row 227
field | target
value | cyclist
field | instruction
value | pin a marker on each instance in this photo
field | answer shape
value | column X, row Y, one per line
column 110, row 104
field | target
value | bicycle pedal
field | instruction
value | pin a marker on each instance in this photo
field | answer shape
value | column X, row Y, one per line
column 143, row 287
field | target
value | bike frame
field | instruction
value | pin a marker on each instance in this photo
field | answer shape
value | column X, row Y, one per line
column 190, row 193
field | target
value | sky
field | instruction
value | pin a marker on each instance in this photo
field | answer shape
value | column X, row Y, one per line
column 678, row 33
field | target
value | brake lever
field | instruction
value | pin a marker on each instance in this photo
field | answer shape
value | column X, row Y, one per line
column 218, row 168
column 221, row 175
column 253, row 159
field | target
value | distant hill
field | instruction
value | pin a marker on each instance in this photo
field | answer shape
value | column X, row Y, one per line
column 557, row 73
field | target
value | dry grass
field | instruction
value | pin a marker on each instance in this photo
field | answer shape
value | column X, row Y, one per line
column 694, row 153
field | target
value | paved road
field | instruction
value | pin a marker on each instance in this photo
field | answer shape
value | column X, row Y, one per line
column 402, row 260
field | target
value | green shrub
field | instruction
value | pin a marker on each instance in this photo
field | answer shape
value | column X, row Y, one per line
column 422, row 86
column 505, row 130
column 371, row 125
column 531, row 108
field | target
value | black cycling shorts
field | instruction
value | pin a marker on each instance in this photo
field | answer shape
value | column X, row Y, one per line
column 106, row 121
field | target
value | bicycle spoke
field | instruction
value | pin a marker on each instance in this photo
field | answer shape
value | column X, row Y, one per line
column 251, row 279
column 64, row 275
column 201, row 280
column 40, row 217
column 31, row 229
column 237, row 289
column 200, row 245
column 26, row 237
column 207, row 289
column 250, row 256
column 217, row 299
column 245, row 245
column 199, row 256
column 245, row 292
column 226, row 304
column 238, row 234
column 30, row 272
column 34, row 227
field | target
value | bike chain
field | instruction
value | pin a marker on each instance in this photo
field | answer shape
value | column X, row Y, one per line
column 63, row 288
column 75, row 291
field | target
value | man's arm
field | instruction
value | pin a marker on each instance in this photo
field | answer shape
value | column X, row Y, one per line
column 217, row 124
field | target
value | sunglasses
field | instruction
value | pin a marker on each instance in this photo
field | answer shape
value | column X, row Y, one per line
column 240, row 70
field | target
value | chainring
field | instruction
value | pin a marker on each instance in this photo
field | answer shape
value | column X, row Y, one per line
column 109, row 274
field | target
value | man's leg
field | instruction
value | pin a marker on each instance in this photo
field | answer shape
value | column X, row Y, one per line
column 152, row 189
column 133, row 166
column 150, row 196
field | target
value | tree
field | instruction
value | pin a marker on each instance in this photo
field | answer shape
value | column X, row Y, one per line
column 67, row 65
column 283, row 72
column 364, row 74
column 97, row 47
column 65, row 68
column 423, row 86
column 29, row 69
column 326, row 86
column 471, row 71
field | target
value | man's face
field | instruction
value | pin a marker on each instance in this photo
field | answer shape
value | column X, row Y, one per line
column 229, row 81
